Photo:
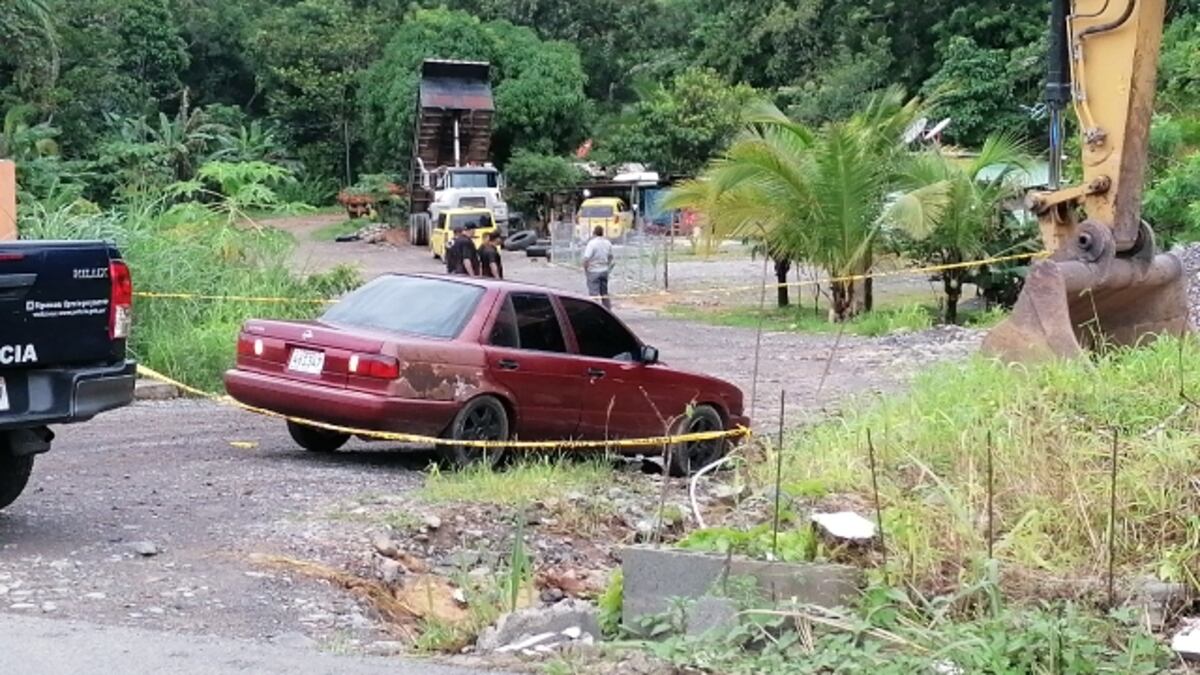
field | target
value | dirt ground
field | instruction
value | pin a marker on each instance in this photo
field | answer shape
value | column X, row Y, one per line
column 151, row 518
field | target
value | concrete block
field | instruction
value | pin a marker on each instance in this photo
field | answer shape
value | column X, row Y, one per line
column 653, row 578
column 711, row 614
column 152, row 390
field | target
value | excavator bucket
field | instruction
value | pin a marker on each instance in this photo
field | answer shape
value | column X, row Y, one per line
column 1086, row 298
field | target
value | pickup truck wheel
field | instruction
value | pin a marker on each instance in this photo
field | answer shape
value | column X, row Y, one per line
column 691, row 456
column 481, row 419
column 14, row 476
column 316, row 440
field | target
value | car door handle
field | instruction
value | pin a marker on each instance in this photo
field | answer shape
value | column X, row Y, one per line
column 596, row 373
column 508, row 364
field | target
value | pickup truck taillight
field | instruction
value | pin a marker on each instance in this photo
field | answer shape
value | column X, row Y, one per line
column 373, row 365
column 120, row 313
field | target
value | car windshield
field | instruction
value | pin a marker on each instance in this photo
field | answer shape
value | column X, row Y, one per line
column 433, row 308
column 473, row 179
column 470, row 221
column 597, row 212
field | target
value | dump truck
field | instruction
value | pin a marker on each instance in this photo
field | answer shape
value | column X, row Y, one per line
column 451, row 151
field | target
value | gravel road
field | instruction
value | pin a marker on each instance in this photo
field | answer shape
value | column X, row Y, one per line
column 152, row 519
column 49, row 647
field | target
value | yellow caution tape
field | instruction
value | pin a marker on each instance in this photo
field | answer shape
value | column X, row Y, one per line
column 931, row 269
column 740, row 432
column 230, row 298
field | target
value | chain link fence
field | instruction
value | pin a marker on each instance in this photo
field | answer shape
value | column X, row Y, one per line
column 640, row 259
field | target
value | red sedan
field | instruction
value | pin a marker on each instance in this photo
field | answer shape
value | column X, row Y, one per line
column 463, row 358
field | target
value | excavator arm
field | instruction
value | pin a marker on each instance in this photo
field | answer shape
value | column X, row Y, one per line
column 1104, row 284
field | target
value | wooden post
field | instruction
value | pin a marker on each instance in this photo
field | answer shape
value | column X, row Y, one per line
column 8, row 200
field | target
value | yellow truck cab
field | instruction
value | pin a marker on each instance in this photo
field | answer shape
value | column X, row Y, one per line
column 479, row 223
column 607, row 212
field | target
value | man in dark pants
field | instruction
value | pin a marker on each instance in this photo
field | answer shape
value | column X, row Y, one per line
column 489, row 257
column 462, row 257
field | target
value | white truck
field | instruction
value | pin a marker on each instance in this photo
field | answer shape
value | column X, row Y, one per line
column 451, row 161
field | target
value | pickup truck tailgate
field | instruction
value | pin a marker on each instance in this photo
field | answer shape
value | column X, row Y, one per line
column 54, row 305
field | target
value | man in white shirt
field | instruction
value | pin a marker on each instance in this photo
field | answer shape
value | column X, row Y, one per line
column 597, row 263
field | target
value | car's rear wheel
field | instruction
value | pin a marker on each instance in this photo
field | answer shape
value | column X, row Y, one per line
column 14, row 476
column 481, row 419
column 419, row 226
column 316, row 440
column 690, row 456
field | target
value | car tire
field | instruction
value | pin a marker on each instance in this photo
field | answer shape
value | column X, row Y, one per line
column 538, row 251
column 687, row 458
column 481, row 419
column 14, row 476
column 314, row 439
column 521, row 240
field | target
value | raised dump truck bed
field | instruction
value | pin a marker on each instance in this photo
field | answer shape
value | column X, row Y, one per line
column 455, row 103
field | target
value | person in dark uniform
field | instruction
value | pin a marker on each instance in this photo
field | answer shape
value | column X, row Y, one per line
column 490, row 264
column 462, row 257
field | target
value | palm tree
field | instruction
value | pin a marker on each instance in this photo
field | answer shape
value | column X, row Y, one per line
column 972, row 217
column 817, row 195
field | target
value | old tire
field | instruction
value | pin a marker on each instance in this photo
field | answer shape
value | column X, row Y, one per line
column 687, row 458
column 481, row 419
column 316, row 440
column 419, row 229
column 14, row 476
column 521, row 240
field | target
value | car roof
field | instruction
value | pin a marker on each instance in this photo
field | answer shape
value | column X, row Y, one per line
column 467, row 211
column 501, row 284
column 604, row 200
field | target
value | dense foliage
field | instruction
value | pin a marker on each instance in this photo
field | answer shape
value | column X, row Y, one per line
column 96, row 93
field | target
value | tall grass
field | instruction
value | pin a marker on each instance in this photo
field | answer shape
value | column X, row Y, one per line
column 1052, row 428
column 189, row 248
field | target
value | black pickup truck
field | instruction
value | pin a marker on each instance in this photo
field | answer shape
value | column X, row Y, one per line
column 65, row 314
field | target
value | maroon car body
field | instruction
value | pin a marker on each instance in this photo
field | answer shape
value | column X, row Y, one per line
column 406, row 353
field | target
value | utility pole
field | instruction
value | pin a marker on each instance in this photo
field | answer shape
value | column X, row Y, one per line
column 8, row 200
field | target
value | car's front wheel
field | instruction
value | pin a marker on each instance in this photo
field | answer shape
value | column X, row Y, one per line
column 481, row 419
column 316, row 440
column 691, row 456
column 14, row 476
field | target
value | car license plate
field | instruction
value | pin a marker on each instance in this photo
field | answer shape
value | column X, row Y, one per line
column 307, row 362
column 4, row 402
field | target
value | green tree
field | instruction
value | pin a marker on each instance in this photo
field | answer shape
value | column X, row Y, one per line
column 538, row 86
column 972, row 221
column 121, row 57
column 983, row 90
column 819, row 195
column 533, row 178
column 678, row 128
column 311, row 57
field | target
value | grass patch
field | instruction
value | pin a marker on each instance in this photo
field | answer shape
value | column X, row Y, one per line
column 190, row 249
column 886, row 321
column 332, row 232
column 523, row 482
column 1052, row 436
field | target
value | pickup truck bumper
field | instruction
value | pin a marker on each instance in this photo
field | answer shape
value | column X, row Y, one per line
column 65, row 395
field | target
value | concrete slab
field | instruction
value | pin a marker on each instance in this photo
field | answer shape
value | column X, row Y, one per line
column 653, row 578
column 152, row 390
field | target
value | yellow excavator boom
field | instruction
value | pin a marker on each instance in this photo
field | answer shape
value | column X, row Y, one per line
column 1105, row 283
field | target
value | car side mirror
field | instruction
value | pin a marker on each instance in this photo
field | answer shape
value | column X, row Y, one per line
column 649, row 355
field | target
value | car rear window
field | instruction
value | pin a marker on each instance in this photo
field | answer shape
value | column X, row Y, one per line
column 597, row 212
column 427, row 307
column 471, row 221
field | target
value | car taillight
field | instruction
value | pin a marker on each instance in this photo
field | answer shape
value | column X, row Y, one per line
column 250, row 346
column 120, row 312
column 374, row 365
